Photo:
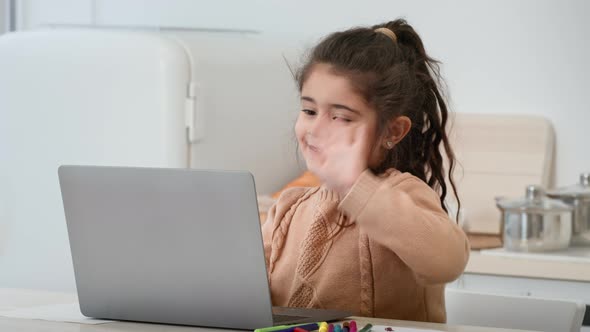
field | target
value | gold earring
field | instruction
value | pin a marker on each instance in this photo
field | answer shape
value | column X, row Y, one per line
column 389, row 144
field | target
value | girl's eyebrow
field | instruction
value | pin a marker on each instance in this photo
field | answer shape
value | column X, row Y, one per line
column 308, row 99
column 338, row 106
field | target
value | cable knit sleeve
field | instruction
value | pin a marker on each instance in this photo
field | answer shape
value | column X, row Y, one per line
column 403, row 214
column 267, row 229
column 277, row 222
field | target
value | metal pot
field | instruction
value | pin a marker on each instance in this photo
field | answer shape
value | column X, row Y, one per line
column 578, row 196
column 535, row 223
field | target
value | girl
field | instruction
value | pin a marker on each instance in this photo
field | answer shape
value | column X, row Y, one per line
column 375, row 238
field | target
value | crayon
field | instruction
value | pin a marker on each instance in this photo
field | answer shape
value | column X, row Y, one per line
column 366, row 328
column 289, row 328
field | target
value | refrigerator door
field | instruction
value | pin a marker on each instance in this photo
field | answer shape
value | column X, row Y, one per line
column 246, row 104
column 78, row 96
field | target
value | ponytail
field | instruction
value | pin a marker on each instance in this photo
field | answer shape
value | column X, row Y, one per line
column 389, row 67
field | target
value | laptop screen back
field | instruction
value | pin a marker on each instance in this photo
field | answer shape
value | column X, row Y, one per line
column 167, row 245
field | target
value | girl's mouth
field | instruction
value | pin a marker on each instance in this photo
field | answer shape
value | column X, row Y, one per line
column 313, row 148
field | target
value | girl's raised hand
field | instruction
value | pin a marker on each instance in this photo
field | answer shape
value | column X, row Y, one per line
column 344, row 159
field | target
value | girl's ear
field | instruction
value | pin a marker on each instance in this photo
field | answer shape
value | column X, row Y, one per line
column 397, row 129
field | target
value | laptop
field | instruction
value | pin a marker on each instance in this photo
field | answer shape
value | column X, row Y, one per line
column 175, row 246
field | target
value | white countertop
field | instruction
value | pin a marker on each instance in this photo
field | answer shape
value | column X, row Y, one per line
column 572, row 264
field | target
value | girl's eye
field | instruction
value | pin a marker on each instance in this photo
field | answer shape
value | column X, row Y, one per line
column 309, row 112
column 341, row 119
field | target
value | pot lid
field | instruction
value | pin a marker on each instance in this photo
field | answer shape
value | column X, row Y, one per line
column 534, row 201
column 579, row 190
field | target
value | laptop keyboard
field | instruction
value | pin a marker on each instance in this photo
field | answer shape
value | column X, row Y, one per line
column 285, row 318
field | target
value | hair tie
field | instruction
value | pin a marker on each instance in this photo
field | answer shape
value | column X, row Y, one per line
column 388, row 33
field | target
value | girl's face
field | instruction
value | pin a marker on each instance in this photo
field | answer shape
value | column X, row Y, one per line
column 333, row 113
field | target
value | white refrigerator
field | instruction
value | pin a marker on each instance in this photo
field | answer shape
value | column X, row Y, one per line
column 221, row 100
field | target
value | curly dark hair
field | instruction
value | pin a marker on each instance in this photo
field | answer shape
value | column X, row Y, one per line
column 397, row 78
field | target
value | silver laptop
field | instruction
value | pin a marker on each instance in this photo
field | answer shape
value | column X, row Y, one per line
column 173, row 246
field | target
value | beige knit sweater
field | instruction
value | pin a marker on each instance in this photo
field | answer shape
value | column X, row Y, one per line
column 392, row 259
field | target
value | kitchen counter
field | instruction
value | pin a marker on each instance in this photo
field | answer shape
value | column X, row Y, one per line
column 572, row 264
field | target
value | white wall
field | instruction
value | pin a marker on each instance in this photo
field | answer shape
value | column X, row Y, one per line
column 499, row 56
column 3, row 16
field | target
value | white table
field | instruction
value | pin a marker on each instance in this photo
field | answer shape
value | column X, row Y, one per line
column 20, row 298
